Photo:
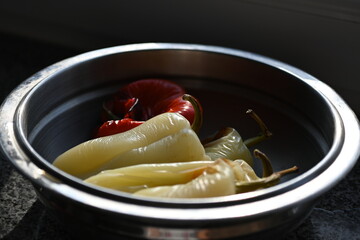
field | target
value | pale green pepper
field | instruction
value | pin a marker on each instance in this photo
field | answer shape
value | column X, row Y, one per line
column 90, row 157
column 137, row 177
column 223, row 177
column 216, row 180
column 227, row 143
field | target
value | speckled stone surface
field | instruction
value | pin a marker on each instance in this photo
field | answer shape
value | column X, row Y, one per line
column 22, row 216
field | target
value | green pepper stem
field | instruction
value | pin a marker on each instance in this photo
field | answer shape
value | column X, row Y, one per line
column 269, row 178
column 109, row 113
column 287, row 171
column 266, row 163
column 267, row 166
column 265, row 133
column 198, row 115
column 265, row 182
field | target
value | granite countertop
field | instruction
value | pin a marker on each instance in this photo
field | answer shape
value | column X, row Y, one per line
column 22, row 216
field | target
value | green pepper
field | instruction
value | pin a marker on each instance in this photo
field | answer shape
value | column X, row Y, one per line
column 227, row 143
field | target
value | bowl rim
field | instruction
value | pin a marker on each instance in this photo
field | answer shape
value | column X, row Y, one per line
column 325, row 174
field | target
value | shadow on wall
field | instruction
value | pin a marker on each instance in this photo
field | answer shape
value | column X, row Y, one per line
column 317, row 38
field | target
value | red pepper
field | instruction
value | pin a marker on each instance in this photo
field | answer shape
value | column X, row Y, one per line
column 112, row 127
column 144, row 99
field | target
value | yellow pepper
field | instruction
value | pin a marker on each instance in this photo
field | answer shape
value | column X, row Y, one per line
column 90, row 157
column 223, row 177
column 137, row 177
column 183, row 146
column 216, row 180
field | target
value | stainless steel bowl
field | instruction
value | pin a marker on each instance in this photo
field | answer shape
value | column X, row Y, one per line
column 59, row 107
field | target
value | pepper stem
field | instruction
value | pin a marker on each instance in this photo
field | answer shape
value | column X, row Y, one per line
column 266, row 163
column 109, row 113
column 198, row 116
column 287, row 171
column 265, row 133
column 269, row 178
column 267, row 166
column 261, row 183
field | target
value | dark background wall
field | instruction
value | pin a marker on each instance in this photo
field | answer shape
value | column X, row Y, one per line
column 320, row 37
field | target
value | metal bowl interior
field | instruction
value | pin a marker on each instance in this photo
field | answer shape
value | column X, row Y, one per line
column 60, row 107
column 300, row 118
